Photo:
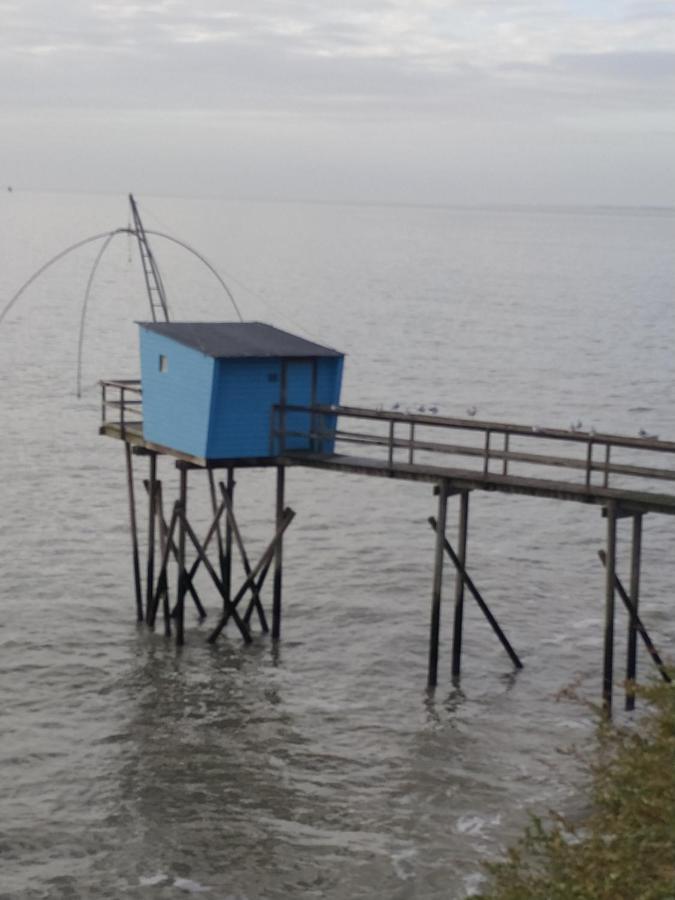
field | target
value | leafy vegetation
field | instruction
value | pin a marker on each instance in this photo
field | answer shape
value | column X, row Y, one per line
column 624, row 848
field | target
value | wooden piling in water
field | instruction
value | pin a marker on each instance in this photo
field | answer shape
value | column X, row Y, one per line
column 608, row 659
column 219, row 536
column 180, row 603
column 439, row 557
column 637, row 623
column 227, row 569
column 136, row 563
column 152, row 499
column 278, row 556
column 631, row 654
column 459, row 585
column 484, row 608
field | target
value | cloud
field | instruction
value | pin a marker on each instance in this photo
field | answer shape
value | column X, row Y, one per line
column 375, row 75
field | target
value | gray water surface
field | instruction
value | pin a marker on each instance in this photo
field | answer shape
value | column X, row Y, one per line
column 321, row 768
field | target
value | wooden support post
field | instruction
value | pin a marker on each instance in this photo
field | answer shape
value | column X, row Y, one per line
column 459, row 586
column 637, row 622
column 173, row 549
column 608, row 663
column 134, row 534
column 162, row 576
column 227, row 569
column 631, row 656
column 257, row 603
column 278, row 556
column 152, row 500
column 180, row 603
column 484, row 608
column 219, row 536
column 231, row 608
column 264, row 561
column 162, row 580
column 434, row 635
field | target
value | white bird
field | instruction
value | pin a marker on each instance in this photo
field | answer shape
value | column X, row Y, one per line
column 645, row 434
column 421, row 408
column 433, row 410
column 471, row 411
column 576, row 426
column 396, row 406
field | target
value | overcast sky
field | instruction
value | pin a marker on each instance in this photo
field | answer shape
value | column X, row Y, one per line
column 461, row 101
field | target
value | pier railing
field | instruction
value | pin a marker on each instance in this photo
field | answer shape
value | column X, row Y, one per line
column 122, row 404
column 491, row 448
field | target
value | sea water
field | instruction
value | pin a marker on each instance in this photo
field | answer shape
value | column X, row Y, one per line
column 321, row 768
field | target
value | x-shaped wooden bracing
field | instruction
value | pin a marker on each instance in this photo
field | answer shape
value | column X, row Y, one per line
column 255, row 575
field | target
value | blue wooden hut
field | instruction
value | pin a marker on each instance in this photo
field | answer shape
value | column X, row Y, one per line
column 210, row 388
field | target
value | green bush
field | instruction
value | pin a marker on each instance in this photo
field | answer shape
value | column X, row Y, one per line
column 624, row 848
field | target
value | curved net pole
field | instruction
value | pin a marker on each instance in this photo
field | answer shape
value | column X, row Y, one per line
column 54, row 259
column 85, row 304
column 208, row 265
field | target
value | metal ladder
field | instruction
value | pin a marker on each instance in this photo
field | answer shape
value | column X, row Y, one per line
column 153, row 280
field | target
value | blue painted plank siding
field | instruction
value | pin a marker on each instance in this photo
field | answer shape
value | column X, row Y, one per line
column 176, row 402
column 329, row 383
column 243, row 397
column 222, row 408
column 246, row 390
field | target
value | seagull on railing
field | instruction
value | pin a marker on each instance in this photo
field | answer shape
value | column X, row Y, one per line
column 576, row 426
column 433, row 410
column 396, row 406
column 471, row 411
column 645, row 434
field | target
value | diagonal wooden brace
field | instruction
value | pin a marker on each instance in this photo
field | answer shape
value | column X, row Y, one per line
column 637, row 622
column 162, row 580
column 173, row 550
column 162, row 573
column 263, row 562
column 515, row 659
column 189, row 576
column 255, row 590
column 230, row 606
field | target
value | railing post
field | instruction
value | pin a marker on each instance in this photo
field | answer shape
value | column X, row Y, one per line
column 122, row 402
column 486, row 460
column 411, row 449
column 608, row 448
column 589, row 462
column 103, row 402
column 391, row 443
column 505, row 467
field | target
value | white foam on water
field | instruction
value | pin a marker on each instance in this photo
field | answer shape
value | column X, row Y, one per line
column 475, row 825
column 404, row 863
column 150, row 880
column 191, row 887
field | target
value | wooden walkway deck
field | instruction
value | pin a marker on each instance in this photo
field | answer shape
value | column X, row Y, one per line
column 624, row 476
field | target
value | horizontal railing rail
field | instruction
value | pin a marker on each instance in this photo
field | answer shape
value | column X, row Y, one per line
column 490, row 444
column 122, row 403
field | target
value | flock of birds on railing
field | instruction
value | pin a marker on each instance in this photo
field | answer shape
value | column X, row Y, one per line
column 576, row 427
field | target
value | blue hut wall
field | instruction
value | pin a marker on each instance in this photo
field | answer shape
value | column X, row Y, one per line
column 176, row 401
column 222, row 408
column 245, row 392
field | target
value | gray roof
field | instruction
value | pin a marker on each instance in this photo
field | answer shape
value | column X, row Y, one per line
column 224, row 340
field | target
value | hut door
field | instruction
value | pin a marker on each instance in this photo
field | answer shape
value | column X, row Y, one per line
column 298, row 390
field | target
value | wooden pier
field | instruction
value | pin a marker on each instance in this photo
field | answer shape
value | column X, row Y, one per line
column 625, row 477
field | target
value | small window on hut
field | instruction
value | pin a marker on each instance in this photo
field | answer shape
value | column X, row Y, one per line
column 163, row 363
